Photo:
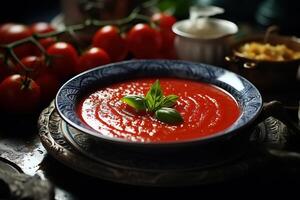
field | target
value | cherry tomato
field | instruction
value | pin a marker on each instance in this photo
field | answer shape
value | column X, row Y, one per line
column 49, row 86
column 109, row 39
column 165, row 23
column 168, row 38
column 5, row 69
column 64, row 59
column 163, row 20
column 12, row 32
column 33, row 63
column 42, row 27
column 18, row 94
column 46, row 42
column 144, row 41
column 93, row 57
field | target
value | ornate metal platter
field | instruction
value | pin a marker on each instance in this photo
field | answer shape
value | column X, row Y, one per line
column 137, row 160
column 73, row 149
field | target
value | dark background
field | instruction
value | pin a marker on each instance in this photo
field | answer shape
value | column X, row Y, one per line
column 257, row 13
column 286, row 14
column 28, row 11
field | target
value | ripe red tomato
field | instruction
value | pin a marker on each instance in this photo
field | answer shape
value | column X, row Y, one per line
column 64, row 60
column 109, row 39
column 33, row 63
column 144, row 41
column 163, row 20
column 93, row 57
column 165, row 23
column 168, row 38
column 19, row 95
column 49, row 86
column 12, row 32
column 46, row 42
column 5, row 70
column 42, row 27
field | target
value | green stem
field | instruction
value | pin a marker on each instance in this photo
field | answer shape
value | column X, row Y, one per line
column 150, row 3
column 39, row 46
column 119, row 22
column 50, row 34
column 78, row 27
column 18, row 42
column 71, row 31
column 2, row 57
column 26, row 82
column 15, row 57
column 143, row 17
column 75, row 40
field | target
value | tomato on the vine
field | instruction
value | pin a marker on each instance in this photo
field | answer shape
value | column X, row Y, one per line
column 91, row 58
column 163, row 20
column 5, row 69
column 49, row 85
column 168, row 38
column 64, row 59
column 11, row 32
column 144, row 41
column 110, row 39
column 45, row 42
column 33, row 63
column 19, row 94
column 42, row 27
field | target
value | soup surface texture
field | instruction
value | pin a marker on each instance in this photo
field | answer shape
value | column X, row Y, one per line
column 206, row 110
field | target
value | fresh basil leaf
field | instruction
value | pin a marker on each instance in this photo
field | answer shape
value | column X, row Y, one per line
column 168, row 115
column 149, row 103
column 135, row 101
column 156, row 90
column 156, row 102
column 169, row 101
column 154, row 96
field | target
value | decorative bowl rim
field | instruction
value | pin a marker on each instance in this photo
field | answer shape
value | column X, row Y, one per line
column 63, row 100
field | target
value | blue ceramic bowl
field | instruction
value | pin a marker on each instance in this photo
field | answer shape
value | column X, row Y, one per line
column 247, row 96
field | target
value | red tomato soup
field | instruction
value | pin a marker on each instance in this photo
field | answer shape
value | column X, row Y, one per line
column 206, row 110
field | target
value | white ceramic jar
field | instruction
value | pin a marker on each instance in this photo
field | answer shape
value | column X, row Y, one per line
column 205, row 40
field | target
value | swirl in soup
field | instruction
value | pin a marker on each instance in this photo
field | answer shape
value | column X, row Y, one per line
column 206, row 110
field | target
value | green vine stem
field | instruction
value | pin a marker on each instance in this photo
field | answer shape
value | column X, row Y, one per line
column 15, row 57
column 74, row 40
column 72, row 32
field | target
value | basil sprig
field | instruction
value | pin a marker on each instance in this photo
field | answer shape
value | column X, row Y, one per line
column 135, row 101
column 155, row 102
column 168, row 115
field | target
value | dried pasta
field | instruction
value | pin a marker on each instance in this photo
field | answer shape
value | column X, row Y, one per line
column 268, row 52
